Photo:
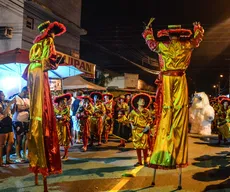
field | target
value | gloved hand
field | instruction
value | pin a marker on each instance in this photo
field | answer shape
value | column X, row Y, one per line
column 146, row 129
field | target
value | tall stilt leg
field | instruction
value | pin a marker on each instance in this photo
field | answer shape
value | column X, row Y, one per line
column 45, row 184
column 154, row 177
column 36, row 179
column 180, row 179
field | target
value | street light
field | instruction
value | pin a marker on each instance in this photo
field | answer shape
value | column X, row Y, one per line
column 215, row 87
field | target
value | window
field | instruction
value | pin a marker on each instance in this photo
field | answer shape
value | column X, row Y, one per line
column 30, row 22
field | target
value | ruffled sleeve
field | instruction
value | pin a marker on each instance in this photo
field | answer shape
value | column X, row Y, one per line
column 150, row 40
column 198, row 36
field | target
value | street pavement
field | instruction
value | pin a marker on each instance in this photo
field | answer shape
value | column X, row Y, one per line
column 110, row 169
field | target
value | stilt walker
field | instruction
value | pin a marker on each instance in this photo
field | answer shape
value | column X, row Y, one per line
column 62, row 112
column 43, row 147
column 170, row 148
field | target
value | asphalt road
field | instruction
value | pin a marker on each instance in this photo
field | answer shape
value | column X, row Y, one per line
column 102, row 169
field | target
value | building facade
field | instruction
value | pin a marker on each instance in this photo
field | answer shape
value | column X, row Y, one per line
column 23, row 17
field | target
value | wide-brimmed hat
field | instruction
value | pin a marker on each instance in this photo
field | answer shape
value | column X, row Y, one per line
column 110, row 95
column 44, row 28
column 66, row 96
column 85, row 97
column 99, row 95
column 174, row 30
column 136, row 97
column 122, row 97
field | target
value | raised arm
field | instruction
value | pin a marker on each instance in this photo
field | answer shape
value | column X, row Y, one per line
column 149, row 39
column 198, row 34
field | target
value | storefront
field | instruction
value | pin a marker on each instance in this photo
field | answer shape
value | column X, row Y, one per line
column 14, row 62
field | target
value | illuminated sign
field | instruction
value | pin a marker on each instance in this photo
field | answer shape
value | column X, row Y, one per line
column 84, row 66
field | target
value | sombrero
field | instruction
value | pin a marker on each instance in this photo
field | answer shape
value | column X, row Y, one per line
column 85, row 97
column 66, row 96
column 99, row 95
column 122, row 97
column 46, row 27
column 136, row 97
column 174, row 30
column 110, row 95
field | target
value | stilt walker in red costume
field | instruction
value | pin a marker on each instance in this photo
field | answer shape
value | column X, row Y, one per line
column 43, row 147
column 170, row 150
column 62, row 112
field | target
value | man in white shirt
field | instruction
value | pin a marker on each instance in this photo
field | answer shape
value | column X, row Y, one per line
column 21, row 122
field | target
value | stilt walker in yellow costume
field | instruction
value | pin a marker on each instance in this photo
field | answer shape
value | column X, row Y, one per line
column 170, row 150
column 62, row 112
column 43, row 147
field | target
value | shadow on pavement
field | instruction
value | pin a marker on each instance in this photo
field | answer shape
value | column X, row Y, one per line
column 219, row 163
column 224, row 185
column 105, row 160
column 94, row 171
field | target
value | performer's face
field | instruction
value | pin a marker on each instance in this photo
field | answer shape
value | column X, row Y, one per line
column 95, row 98
column 141, row 102
column 85, row 102
column 174, row 37
column 62, row 103
column 106, row 98
column 225, row 104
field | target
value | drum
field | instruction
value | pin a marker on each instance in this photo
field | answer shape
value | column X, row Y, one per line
column 122, row 131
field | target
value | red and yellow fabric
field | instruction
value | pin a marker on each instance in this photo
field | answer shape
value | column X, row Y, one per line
column 140, row 119
column 108, row 116
column 96, row 125
column 84, row 117
column 63, row 125
column 43, row 146
column 170, row 141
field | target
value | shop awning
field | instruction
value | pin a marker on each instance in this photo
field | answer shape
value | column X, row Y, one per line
column 77, row 82
column 15, row 61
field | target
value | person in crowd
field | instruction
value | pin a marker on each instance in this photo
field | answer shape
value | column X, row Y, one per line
column 83, row 114
column 62, row 112
column 96, row 125
column 108, row 118
column 21, row 123
column 122, row 105
column 75, row 121
column 223, row 121
column 6, row 132
column 140, row 120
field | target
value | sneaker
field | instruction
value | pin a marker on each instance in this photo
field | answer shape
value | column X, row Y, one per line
column 64, row 158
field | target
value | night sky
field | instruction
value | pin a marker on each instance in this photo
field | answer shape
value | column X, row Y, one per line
column 115, row 26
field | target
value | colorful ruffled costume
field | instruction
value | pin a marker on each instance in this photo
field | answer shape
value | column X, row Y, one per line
column 43, row 146
column 171, row 144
